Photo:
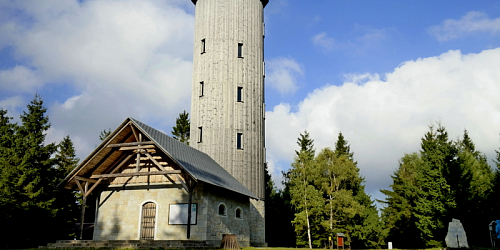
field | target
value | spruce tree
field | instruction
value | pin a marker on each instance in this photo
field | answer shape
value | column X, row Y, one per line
column 67, row 201
column 435, row 198
column 472, row 190
column 104, row 134
column 399, row 211
column 342, row 147
column 182, row 126
column 9, row 194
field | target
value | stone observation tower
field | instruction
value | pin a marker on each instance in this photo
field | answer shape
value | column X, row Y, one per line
column 227, row 106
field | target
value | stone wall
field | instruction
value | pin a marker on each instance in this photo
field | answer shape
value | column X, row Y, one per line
column 119, row 213
column 257, row 223
column 229, row 224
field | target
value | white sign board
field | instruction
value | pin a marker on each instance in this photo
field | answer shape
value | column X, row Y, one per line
column 178, row 214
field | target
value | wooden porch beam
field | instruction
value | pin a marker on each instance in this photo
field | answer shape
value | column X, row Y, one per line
column 80, row 187
column 127, row 144
column 98, row 176
column 155, row 161
column 137, row 147
column 112, row 172
column 85, row 179
column 135, row 133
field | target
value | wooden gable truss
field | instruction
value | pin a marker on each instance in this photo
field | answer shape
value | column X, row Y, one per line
column 128, row 156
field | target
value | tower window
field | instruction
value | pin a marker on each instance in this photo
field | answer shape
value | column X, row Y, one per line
column 202, row 46
column 200, row 132
column 240, row 50
column 239, row 138
column 202, row 88
column 239, row 96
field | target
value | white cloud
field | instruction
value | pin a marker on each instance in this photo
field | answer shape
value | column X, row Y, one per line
column 283, row 75
column 323, row 41
column 385, row 117
column 115, row 59
column 11, row 103
column 473, row 22
column 20, row 79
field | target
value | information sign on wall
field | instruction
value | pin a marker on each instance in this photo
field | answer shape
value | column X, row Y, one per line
column 178, row 214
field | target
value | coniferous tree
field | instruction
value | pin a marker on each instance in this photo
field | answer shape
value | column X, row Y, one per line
column 472, row 190
column 494, row 198
column 399, row 212
column 287, row 213
column 28, row 179
column 9, row 205
column 342, row 147
column 366, row 227
column 182, row 126
column 67, row 202
column 30, row 201
column 279, row 229
column 435, row 198
column 66, row 159
column 104, row 134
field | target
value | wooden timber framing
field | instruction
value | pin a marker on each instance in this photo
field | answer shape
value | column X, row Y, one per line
column 98, row 176
column 128, row 144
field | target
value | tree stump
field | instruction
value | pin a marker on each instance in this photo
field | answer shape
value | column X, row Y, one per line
column 229, row 241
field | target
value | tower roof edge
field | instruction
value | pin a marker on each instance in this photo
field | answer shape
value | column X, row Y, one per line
column 264, row 2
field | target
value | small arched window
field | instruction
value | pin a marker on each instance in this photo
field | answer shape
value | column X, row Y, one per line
column 222, row 211
column 238, row 213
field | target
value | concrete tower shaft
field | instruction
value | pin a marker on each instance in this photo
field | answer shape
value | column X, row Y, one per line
column 227, row 107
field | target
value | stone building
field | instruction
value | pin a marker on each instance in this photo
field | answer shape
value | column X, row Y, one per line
column 147, row 186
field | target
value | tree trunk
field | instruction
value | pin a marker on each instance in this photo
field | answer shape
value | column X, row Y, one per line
column 308, row 230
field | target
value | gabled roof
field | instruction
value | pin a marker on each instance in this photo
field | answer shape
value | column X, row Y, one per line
column 197, row 164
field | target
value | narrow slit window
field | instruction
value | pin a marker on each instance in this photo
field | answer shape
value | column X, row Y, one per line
column 239, row 138
column 240, row 50
column 239, row 96
column 202, row 88
column 200, row 132
column 202, row 46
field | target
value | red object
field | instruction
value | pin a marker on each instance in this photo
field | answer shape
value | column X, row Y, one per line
column 340, row 241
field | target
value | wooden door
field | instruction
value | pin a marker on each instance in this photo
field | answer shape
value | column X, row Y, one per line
column 148, row 221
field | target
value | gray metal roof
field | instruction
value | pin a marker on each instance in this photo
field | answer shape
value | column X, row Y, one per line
column 198, row 164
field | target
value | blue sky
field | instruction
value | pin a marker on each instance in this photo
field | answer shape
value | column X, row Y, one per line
column 379, row 71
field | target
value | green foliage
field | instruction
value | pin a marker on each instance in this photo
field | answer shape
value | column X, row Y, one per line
column 306, row 199
column 104, row 134
column 181, row 130
column 306, row 144
column 399, row 214
column 30, row 202
column 66, row 159
column 434, row 196
column 446, row 180
column 279, row 215
column 328, row 198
